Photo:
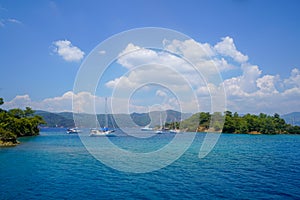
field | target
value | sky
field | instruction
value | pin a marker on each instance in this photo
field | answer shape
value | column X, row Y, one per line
column 255, row 46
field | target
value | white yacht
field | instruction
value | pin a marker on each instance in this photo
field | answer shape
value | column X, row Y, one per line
column 147, row 128
column 101, row 132
column 73, row 130
column 105, row 131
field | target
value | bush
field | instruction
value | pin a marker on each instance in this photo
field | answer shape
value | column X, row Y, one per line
column 7, row 136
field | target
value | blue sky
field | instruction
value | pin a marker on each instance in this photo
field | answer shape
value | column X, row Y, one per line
column 267, row 32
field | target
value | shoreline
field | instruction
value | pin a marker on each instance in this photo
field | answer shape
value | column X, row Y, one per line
column 8, row 144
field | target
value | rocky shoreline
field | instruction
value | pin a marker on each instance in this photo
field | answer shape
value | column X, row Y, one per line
column 9, row 143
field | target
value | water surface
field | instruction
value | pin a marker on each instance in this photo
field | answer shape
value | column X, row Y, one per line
column 56, row 165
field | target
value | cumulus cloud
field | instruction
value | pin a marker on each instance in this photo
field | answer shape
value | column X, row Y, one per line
column 265, row 93
column 190, row 49
column 168, row 67
column 294, row 79
column 67, row 51
column 266, row 84
column 250, row 91
column 174, row 69
column 146, row 66
column 83, row 102
column 20, row 101
column 63, row 103
column 58, row 104
column 227, row 48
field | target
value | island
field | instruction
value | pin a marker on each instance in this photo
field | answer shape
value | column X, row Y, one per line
column 16, row 123
column 235, row 123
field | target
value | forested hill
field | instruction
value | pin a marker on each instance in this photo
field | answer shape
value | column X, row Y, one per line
column 57, row 119
column 249, row 123
column 65, row 119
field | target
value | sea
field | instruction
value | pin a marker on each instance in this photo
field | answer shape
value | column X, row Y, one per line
column 56, row 165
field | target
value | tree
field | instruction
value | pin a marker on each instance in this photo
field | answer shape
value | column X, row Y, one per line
column 17, row 112
column 229, row 125
column 242, row 126
column 17, row 123
column 234, row 123
column 280, row 125
column 7, row 136
column 228, row 113
column 235, row 115
column 28, row 112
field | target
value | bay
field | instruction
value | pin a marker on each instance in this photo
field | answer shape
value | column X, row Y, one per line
column 56, row 165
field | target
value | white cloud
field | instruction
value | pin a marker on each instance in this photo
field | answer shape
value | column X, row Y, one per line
column 102, row 52
column 147, row 66
column 249, row 77
column 67, row 51
column 294, row 79
column 266, row 84
column 85, row 102
column 265, row 96
column 173, row 70
column 133, row 56
column 227, row 48
column 292, row 92
column 14, row 21
column 190, row 49
column 208, row 62
column 250, row 91
column 20, row 101
column 55, row 104
column 3, row 22
column 161, row 93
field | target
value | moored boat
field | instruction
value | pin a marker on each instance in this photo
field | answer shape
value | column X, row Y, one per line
column 73, row 130
column 101, row 132
column 147, row 128
column 105, row 131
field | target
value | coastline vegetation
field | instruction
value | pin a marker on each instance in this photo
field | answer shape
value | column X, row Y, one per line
column 16, row 123
column 234, row 123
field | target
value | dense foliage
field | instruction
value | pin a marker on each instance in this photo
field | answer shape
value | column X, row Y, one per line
column 17, row 123
column 262, row 123
column 249, row 123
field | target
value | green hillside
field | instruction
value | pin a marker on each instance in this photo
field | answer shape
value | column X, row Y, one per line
column 65, row 119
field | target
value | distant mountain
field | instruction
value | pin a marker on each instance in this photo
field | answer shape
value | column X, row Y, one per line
column 292, row 118
column 56, row 119
column 155, row 118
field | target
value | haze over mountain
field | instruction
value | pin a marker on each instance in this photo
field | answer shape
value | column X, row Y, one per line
column 155, row 118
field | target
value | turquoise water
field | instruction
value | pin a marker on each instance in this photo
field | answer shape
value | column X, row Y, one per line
column 55, row 165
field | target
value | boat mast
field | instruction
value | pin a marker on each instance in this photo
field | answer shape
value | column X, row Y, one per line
column 161, row 125
column 106, row 117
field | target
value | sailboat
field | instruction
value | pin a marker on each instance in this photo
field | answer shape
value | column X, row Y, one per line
column 162, row 128
column 105, row 131
column 175, row 130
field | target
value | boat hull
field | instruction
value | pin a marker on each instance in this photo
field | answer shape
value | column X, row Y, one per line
column 99, row 133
